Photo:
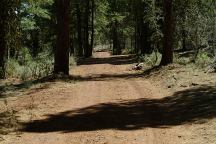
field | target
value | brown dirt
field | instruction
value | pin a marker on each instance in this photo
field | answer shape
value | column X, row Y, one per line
column 110, row 104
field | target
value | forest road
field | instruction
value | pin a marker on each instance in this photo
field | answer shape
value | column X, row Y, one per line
column 107, row 104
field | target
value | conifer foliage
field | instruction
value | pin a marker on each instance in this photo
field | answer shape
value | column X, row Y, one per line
column 49, row 32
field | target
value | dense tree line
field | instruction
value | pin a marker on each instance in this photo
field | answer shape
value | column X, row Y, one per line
column 64, row 28
column 9, row 34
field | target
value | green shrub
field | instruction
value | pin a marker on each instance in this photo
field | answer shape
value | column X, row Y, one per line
column 1, row 72
column 72, row 61
column 203, row 59
column 182, row 60
column 24, row 56
column 12, row 68
column 24, row 73
column 41, row 66
column 151, row 59
column 27, row 67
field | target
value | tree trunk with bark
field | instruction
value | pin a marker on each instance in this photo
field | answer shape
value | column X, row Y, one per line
column 79, row 31
column 3, row 43
column 35, row 42
column 92, row 30
column 63, row 38
column 115, row 37
column 167, row 55
column 86, row 30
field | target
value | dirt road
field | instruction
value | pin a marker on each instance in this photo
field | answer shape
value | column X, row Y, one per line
column 107, row 104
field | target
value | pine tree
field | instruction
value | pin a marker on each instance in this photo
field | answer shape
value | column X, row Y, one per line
column 167, row 54
column 63, row 38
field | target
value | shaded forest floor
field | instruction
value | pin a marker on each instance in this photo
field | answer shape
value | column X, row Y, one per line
column 105, row 102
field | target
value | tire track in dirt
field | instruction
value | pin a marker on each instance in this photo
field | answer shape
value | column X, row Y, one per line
column 108, row 84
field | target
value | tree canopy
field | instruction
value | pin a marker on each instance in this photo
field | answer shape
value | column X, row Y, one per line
column 33, row 30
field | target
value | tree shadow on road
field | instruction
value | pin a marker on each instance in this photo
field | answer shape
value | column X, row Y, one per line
column 113, row 60
column 45, row 82
column 11, row 90
column 183, row 107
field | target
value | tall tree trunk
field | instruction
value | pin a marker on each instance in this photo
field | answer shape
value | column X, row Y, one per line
column 71, row 45
column 139, row 26
column 3, row 43
column 35, row 42
column 63, row 38
column 184, row 40
column 167, row 55
column 79, row 31
column 92, row 32
column 184, row 35
column 86, row 30
column 3, row 51
column 115, row 36
column 136, row 35
column 115, row 31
